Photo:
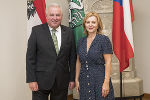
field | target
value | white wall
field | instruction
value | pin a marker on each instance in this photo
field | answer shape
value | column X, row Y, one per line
column 12, row 50
column 141, row 28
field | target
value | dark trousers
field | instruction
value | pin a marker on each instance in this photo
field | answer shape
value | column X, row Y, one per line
column 55, row 94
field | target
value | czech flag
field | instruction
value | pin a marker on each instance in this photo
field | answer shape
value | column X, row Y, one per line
column 36, row 14
column 122, row 35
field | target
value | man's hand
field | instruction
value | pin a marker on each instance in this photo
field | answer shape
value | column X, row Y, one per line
column 71, row 85
column 33, row 86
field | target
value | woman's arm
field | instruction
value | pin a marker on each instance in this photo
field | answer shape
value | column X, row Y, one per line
column 108, row 61
column 78, row 66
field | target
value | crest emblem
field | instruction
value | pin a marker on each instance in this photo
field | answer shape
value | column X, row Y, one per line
column 31, row 10
column 76, row 12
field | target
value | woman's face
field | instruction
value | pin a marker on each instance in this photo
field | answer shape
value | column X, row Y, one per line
column 91, row 24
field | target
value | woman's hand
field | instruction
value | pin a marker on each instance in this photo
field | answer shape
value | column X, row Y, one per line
column 77, row 86
column 105, row 89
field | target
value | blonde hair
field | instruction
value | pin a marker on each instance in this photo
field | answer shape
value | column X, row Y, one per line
column 100, row 25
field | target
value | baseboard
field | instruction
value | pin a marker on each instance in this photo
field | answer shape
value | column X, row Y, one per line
column 146, row 95
column 70, row 97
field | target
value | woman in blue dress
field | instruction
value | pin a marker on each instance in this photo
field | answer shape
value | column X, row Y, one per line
column 94, row 58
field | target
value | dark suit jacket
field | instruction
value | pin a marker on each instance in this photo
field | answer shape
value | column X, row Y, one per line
column 43, row 65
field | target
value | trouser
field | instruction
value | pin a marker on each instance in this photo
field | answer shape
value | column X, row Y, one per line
column 55, row 94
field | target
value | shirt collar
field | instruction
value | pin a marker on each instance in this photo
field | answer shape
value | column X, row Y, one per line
column 57, row 29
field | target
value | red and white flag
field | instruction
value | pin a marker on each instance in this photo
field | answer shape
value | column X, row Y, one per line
column 36, row 14
column 122, row 35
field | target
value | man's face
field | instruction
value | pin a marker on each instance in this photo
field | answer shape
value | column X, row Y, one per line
column 54, row 17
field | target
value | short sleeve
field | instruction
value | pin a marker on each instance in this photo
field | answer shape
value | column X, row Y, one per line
column 107, row 46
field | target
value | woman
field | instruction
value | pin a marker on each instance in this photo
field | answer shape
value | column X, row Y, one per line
column 94, row 58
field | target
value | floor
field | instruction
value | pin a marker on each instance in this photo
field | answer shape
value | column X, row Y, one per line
column 145, row 97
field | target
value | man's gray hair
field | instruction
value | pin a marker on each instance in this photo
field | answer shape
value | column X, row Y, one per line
column 53, row 5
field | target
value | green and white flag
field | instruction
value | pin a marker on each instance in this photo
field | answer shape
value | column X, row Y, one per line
column 76, row 11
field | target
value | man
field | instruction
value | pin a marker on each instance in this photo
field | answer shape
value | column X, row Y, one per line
column 51, row 58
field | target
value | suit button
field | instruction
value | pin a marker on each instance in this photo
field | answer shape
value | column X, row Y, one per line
column 86, row 65
column 87, row 76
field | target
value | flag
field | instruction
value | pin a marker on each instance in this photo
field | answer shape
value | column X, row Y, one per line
column 76, row 14
column 122, row 35
column 36, row 14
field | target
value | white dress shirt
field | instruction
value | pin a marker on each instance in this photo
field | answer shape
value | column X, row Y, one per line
column 58, row 35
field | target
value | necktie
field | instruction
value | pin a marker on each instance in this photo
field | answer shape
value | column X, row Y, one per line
column 54, row 37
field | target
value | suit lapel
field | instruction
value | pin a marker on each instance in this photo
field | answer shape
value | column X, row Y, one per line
column 63, row 36
column 50, row 40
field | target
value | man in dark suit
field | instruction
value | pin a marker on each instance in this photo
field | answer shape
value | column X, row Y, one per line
column 50, row 59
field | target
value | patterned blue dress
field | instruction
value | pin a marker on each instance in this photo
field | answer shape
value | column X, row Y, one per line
column 92, row 72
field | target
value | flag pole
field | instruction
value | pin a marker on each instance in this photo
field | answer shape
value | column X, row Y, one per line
column 120, row 85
